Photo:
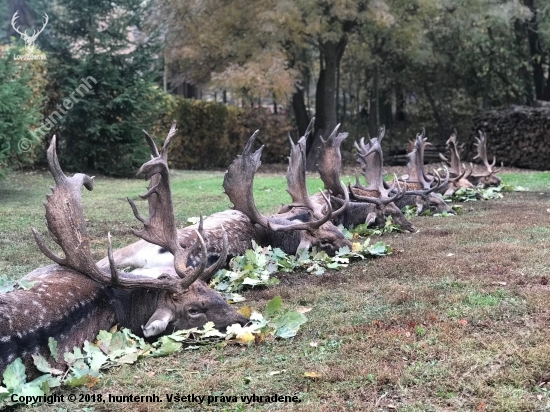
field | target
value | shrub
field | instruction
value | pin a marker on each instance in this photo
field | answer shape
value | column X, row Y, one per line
column 211, row 134
column 19, row 110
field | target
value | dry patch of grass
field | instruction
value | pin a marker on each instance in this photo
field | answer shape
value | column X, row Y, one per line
column 456, row 319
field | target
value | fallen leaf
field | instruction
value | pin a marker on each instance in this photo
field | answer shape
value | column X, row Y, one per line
column 480, row 406
column 245, row 338
column 273, row 373
column 92, row 381
column 448, row 254
column 245, row 311
column 312, row 375
column 303, row 309
column 313, row 344
column 499, row 283
column 463, row 322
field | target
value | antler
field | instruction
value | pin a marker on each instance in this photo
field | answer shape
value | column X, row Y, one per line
column 371, row 159
column 239, row 180
column 238, row 185
column 14, row 18
column 330, row 162
column 438, row 185
column 46, row 20
column 481, row 144
column 384, row 198
column 421, row 142
column 455, row 167
column 66, row 224
column 160, row 227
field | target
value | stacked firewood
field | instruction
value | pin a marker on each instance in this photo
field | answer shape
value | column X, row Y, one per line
column 526, row 129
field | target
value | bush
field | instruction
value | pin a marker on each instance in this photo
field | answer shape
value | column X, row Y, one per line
column 211, row 134
column 19, row 110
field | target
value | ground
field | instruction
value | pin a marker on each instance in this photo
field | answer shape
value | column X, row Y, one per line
column 456, row 319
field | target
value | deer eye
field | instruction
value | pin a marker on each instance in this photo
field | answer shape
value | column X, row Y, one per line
column 194, row 312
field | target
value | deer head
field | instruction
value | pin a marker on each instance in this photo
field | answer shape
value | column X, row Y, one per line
column 488, row 177
column 329, row 165
column 29, row 40
column 423, row 188
column 459, row 173
column 370, row 158
column 183, row 300
column 300, row 224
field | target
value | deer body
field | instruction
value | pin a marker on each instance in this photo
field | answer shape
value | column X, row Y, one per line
column 301, row 224
column 73, row 300
column 147, row 256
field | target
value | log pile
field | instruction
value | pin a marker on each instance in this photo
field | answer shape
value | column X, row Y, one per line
column 397, row 154
column 518, row 136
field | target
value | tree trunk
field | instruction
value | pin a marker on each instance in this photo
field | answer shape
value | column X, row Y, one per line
column 326, row 110
column 538, row 57
column 300, row 111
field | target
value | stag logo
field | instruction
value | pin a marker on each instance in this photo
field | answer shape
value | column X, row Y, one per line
column 28, row 39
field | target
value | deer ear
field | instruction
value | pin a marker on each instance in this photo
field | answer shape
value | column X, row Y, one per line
column 371, row 218
column 158, row 322
column 304, row 244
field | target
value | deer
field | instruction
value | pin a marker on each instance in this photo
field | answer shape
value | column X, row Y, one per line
column 488, row 177
column 422, row 188
column 145, row 257
column 299, row 225
column 370, row 157
column 459, row 173
column 73, row 299
column 29, row 40
column 369, row 211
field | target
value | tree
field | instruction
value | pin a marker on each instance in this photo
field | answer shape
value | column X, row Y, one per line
column 537, row 31
column 19, row 110
column 100, row 44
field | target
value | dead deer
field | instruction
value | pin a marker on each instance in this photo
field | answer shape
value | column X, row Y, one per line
column 145, row 257
column 74, row 299
column 368, row 211
column 488, row 177
column 301, row 224
column 459, row 174
column 421, row 188
column 371, row 159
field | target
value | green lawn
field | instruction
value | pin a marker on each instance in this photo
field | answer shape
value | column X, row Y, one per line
column 456, row 319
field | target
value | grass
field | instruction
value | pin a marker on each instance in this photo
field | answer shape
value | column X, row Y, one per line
column 456, row 319
column 531, row 181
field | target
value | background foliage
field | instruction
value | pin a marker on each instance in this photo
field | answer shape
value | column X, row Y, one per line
column 211, row 135
column 273, row 65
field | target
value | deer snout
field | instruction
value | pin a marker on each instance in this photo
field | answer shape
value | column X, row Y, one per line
column 241, row 320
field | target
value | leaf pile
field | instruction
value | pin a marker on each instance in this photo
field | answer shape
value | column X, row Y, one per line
column 472, row 195
column 363, row 230
column 257, row 265
column 118, row 347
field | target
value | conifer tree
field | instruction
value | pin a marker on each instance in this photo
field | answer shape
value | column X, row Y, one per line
column 100, row 44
